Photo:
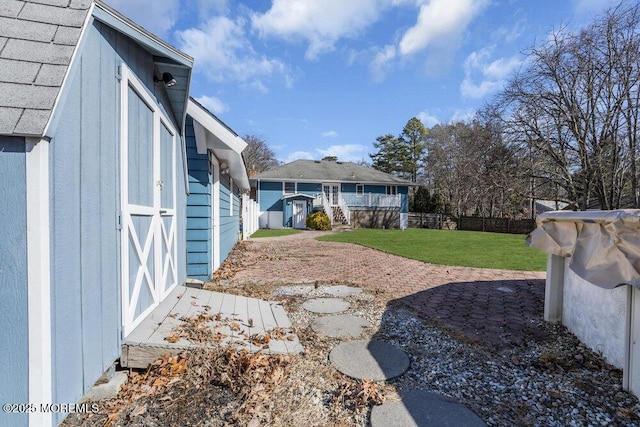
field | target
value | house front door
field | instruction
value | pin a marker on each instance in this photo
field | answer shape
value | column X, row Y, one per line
column 148, row 198
column 299, row 214
column 332, row 191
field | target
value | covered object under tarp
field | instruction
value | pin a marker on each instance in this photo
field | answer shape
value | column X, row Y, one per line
column 593, row 281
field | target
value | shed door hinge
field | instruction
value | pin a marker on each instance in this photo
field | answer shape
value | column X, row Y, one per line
column 119, row 220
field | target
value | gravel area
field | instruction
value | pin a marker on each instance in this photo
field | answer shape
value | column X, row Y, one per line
column 555, row 382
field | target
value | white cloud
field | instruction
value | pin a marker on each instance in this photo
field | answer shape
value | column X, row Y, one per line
column 223, row 53
column 213, row 104
column 381, row 62
column 330, row 134
column 510, row 34
column 465, row 115
column 158, row 18
column 439, row 21
column 210, row 7
column 484, row 76
column 320, row 23
column 298, row 155
column 428, row 120
column 346, row 152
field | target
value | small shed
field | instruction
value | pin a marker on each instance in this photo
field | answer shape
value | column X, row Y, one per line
column 93, row 184
column 296, row 208
column 593, row 281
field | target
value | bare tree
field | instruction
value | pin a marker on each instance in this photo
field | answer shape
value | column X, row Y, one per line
column 258, row 157
column 575, row 108
column 473, row 169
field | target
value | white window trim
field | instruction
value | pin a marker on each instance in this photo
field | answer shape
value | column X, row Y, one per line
column 361, row 188
column 284, row 187
column 392, row 190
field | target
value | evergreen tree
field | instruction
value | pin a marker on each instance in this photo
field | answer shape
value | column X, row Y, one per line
column 414, row 138
column 391, row 156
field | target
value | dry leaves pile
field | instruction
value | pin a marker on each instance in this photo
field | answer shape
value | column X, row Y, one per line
column 204, row 386
column 253, row 377
column 161, row 375
column 357, row 393
column 232, row 264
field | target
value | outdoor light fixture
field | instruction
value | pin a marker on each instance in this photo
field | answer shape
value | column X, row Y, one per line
column 167, row 79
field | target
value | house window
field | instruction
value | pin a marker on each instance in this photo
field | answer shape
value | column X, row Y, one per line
column 392, row 190
column 289, row 187
column 359, row 189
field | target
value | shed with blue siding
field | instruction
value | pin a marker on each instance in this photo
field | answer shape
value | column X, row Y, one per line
column 93, row 184
column 217, row 176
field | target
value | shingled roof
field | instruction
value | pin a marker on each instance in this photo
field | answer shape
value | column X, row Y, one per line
column 37, row 41
column 329, row 171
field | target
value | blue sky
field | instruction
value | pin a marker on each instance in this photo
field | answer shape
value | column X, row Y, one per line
column 326, row 77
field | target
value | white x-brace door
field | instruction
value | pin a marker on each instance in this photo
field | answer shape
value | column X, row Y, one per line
column 148, row 197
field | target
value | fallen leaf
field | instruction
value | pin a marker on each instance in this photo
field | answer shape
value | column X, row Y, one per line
column 139, row 410
column 173, row 338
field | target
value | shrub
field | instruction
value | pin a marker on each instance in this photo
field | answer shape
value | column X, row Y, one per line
column 318, row 221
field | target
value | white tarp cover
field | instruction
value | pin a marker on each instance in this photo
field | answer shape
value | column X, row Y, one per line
column 604, row 246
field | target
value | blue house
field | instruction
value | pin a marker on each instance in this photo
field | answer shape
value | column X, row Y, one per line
column 93, row 185
column 217, row 177
column 347, row 192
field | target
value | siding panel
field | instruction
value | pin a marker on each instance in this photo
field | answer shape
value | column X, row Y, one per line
column 229, row 218
column 66, row 281
column 309, row 188
column 14, row 334
column 270, row 194
column 198, row 224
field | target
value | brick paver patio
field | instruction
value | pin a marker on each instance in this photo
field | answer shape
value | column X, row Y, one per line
column 493, row 306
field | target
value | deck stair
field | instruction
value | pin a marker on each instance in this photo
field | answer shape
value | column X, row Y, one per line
column 234, row 319
column 338, row 216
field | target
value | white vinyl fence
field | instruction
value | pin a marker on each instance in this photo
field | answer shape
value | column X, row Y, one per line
column 250, row 216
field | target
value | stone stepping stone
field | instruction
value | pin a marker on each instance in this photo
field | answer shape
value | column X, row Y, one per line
column 340, row 326
column 326, row 305
column 420, row 408
column 373, row 360
column 341, row 290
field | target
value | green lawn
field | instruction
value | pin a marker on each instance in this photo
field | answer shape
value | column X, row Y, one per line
column 265, row 232
column 450, row 247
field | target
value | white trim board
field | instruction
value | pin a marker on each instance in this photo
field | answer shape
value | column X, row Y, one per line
column 38, row 278
column 631, row 371
column 215, row 213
